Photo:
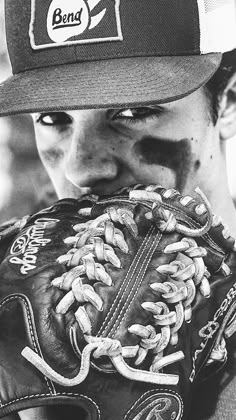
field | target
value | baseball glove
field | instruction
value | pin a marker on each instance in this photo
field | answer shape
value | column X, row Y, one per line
column 113, row 308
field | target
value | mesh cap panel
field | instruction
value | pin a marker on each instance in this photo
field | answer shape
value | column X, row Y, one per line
column 217, row 25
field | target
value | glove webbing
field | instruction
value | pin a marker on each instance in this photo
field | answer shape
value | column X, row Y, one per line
column 88, row 246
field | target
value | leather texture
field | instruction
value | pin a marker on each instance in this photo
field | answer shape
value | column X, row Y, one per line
column 214, row 399
column 29, row 302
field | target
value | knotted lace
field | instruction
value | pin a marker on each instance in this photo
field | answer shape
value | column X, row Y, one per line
column 92, row 245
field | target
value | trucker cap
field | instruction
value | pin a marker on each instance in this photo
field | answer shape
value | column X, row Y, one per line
column 80, row 54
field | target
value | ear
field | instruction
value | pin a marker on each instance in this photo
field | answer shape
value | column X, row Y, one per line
column 227, row 110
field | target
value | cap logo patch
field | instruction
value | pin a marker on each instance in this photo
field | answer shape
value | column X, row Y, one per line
column 58, row 22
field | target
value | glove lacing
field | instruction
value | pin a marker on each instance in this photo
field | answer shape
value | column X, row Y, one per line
column 84, row 259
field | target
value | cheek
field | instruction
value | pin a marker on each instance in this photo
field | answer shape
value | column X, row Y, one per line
column 56, row 177
column 174, row 155
column 52, row 159
column 51, row 147
column 197, row 165
column 62, row 187
column 41, row 136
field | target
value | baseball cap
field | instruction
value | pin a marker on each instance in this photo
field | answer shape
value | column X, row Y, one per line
column 80, row 54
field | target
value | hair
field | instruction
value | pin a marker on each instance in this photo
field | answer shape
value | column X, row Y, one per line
column 215, row 87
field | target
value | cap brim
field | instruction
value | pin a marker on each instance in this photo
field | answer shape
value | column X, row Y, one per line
column 106, row 83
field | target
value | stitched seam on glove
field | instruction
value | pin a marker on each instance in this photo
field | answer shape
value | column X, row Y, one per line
column 57, row 394
column 126, row 284
column 137, row 284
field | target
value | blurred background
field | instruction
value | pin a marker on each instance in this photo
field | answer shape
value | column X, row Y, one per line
column 24, row 184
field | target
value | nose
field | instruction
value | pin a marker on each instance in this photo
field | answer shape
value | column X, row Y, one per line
column 90, row 162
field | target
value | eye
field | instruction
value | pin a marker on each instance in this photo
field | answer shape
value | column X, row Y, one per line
column 137, row 114
column 54, row 119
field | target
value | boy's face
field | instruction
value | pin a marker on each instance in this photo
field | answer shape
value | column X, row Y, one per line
column 99, row 151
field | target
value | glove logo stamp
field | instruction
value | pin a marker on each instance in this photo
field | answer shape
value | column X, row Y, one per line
column 162, row 406
column 86, row 21
column 209, row 330
column 28, row 245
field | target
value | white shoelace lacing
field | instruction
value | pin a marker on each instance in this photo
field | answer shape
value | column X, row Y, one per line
column 92, row 245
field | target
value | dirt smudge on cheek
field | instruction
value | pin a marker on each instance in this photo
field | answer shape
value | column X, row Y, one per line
column 197, row 164
column 174, row 155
